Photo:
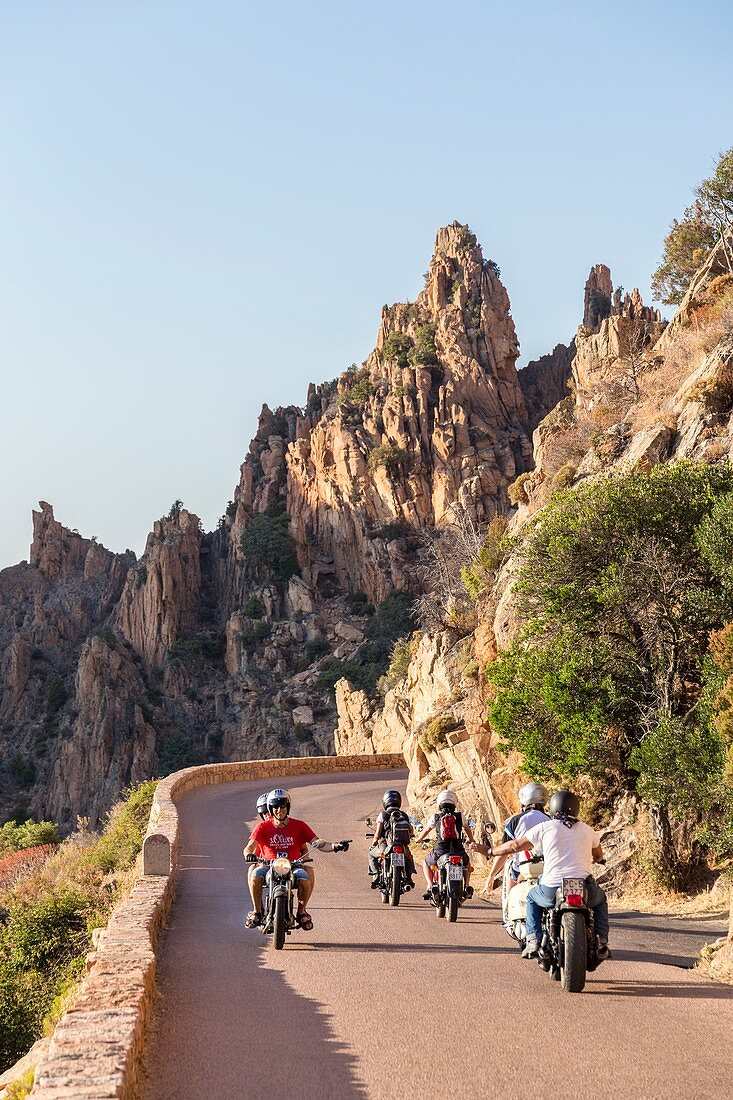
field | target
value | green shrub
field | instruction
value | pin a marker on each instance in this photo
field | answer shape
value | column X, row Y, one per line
column 253, row 607
column 517, row 491
column 316, row 647
column 388, row 456
column 253, row 633
column 176, row 752
column 269, row 548
column 424, row 351
column 56, row 696
column 359, row 390
column 199, row 645
column 564, row 477
column 31, row 834
column 483, row 569
column 402, row 653
column 435, row 732
column 22, row 769
column 123, row 834
column 397, row 348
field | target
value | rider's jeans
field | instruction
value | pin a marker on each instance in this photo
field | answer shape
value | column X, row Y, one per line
column 543, row 897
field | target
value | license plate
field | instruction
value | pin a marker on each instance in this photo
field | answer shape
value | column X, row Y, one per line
column 573, row 885
column 398, row 859
column 455, row 870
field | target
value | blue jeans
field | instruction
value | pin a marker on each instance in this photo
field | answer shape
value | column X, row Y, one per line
column 543, row 897
column 298, row 873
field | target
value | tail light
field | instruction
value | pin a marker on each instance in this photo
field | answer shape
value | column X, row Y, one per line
column 574, row 899
column 397, row 848
column 455, row 859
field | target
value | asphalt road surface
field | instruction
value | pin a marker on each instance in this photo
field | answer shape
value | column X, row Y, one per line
column 378, row 1003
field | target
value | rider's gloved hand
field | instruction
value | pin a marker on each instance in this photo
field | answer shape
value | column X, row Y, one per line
column 250, row 857
column 341, row 846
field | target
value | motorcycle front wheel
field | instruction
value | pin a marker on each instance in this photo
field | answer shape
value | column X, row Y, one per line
column 278, row 923
column 573, row 947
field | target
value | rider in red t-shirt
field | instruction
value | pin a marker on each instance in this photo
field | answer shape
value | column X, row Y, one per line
column 283, row 833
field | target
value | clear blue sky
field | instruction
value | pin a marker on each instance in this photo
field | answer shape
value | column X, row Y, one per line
column 205, row 204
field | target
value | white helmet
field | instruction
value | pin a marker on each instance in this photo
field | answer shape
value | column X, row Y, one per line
column 447, row 798
column 532, row 794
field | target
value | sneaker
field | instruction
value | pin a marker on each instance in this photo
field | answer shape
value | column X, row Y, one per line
column 531, row 949
column 468, row 892
column 374, row 884
column 428, row 895
column 602, row 951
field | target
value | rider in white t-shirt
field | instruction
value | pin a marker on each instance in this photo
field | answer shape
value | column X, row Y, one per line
column 569, row 848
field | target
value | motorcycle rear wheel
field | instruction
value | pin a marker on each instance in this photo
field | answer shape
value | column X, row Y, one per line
column 452, row 908
column 396, row 886
column 278, row 923
column 573, row 946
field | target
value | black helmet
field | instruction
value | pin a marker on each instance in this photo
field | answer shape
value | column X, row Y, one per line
column 391, row 800
column 262, row 806
column 564, row 804
column 278, row 797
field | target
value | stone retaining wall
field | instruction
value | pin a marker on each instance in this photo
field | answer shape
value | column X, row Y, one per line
column 96, row 1049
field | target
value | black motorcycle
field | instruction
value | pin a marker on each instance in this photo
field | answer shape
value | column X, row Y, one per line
column 279, row 897
column 568, row 948
column 392, row 873
column 448, row 886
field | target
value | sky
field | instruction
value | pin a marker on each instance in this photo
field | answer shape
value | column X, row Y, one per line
column 204, row 205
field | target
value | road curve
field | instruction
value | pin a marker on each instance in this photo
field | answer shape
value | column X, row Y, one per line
column 376, row 1003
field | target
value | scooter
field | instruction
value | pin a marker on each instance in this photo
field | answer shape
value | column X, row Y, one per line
column 514, row 894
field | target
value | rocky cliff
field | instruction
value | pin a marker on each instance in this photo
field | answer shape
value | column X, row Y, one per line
column 226, row 644
column 627, row 390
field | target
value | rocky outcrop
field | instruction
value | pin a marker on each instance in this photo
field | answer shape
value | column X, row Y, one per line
column 545, row 382
column 110, row 744
column 160, row 601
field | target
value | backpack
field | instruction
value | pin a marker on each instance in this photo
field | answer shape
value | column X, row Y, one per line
column 397, row 828
column 448, row 826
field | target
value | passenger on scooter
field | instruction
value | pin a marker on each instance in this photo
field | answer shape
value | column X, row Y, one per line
column 449, row 829
column 391, row 817
column 532, row 800
column 282, row 833
column 569, row 847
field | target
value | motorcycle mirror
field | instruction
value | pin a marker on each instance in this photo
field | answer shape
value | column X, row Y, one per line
column 368, row 821
column 417, row 824
column 368, row 835
column 490, row 827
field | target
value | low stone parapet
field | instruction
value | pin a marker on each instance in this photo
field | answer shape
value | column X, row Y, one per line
column 96, row 1049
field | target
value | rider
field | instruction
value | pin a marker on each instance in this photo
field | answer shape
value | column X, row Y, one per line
column 282, row 833
column 569, row 847
column 384, row 834
column 447, row 818
column 532, row 800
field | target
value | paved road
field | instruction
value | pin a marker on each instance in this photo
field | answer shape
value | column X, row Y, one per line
column 376, row 1003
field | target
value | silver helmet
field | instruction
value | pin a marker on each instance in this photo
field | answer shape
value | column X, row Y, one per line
column 533, row 794
column 447, row 798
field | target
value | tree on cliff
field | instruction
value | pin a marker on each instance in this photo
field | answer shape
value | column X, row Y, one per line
column 690, row 239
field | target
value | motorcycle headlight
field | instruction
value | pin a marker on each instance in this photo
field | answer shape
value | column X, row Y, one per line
column 281, row 866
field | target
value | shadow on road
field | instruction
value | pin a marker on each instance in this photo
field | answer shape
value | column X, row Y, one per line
column 409, row 948
column 708, row 991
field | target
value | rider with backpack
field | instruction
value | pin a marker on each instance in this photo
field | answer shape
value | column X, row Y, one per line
column 449, row 828
column 393, row 827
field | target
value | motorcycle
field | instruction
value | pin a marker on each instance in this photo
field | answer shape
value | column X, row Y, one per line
column 514, row 895
column 280, row 894
column 568, row 948
column 279, row 897
column 447, row 876
column 392, row 877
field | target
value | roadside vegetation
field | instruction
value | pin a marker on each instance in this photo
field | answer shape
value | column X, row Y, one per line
column 691, row 238
column 621, row 675
column 48, row 908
